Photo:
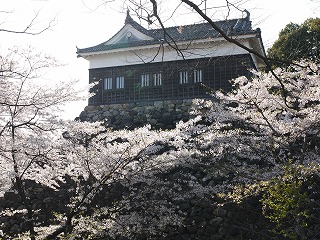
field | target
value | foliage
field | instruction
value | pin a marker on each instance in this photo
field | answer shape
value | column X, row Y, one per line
column 286, row 203
column 298, row 42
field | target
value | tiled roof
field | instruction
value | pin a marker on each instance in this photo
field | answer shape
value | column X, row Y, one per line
column 233, row 27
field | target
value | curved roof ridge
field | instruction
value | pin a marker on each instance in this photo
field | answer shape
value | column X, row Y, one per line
column 205, row 23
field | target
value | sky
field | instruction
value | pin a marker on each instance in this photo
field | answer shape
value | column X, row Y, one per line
column 84, row 23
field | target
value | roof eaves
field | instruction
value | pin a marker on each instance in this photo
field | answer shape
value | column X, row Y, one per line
column 101, row 49
column 116, row 50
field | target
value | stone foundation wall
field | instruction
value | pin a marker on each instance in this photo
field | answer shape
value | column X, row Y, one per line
column 159, row 114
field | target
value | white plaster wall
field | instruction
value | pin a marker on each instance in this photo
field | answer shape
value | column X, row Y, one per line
column 156, row 54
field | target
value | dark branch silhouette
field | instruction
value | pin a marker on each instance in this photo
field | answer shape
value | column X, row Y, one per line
column 28, row 28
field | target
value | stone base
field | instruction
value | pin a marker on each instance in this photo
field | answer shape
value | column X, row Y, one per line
column 159, row 114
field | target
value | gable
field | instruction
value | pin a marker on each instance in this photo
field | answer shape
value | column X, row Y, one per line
column 128, row 34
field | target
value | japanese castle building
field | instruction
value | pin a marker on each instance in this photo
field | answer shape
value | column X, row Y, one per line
column 180, row 62
column 152, row 75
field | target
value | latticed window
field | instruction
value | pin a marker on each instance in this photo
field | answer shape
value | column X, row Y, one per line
column 197, row 76
column 183, row 77
column 157, row 77
column 145, row 81
column 107, row 83
column 119, row 82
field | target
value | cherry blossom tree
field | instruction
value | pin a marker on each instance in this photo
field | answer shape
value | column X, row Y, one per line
column 29, row 122
column 240, row 143
column 233, row 148
column 105, row 158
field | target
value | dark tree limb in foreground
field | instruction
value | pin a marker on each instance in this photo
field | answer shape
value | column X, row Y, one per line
column 28, row 29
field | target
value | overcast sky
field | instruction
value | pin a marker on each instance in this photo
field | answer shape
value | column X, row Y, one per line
column 79, row 23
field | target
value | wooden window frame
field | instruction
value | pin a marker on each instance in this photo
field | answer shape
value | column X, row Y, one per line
column 197, row 76
column 119, row 82
column 157, row 79
column 107, row 83
column 145, row 80
column 183, row 77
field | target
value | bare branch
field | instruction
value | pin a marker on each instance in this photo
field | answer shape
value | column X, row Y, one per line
column 28, row 29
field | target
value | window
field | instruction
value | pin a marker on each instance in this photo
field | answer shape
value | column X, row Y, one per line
column 157, row 77
column 145, row 80
column 183, row 77
column 197, row 76
column 107, row 83
column 119, row 82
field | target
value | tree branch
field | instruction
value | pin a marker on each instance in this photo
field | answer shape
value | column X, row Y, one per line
column 28, row 29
